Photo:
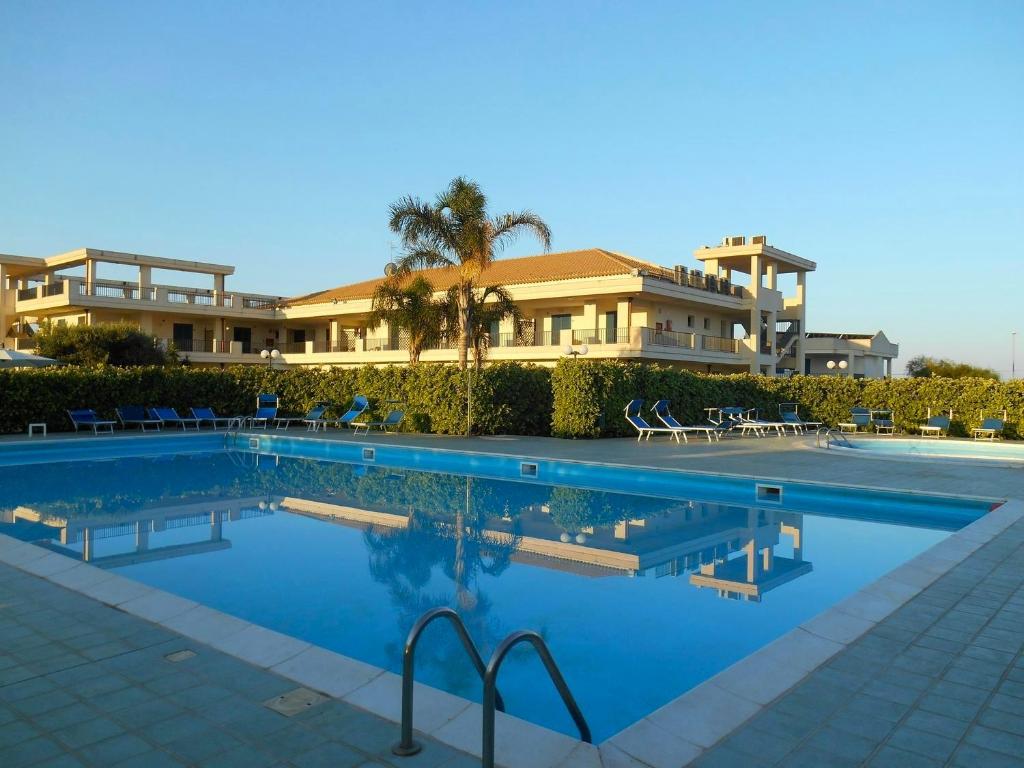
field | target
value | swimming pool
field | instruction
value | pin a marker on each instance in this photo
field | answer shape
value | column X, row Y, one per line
column 965, row 450
column 648, row 592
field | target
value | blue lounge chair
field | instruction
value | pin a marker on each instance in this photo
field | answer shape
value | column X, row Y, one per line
column 790, row 413
column 990, row 428
column 266, row 411
column 936, row 426
column 170, row 416
column 661, row 410
column 639, row 423
column 750, row 416
column 859, row 417
column 86, row 417
column 312, row 418
column 358, row 407
column 135, row 416
column 207, row 416
column 389, row 424
column 884, row 422
column 730, row 417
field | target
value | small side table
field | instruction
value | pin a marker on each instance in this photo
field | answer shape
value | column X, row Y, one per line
column 37, row 426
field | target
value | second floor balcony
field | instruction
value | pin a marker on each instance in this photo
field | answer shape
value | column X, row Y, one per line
column 76, row 292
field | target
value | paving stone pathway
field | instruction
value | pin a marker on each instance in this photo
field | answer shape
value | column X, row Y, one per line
column 938, row 683
column 83, row 684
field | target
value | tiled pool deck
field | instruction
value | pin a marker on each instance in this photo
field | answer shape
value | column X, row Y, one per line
column 922, row 668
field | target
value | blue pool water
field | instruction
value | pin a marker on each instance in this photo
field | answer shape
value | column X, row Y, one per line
column 942, row 448
column 641, row 596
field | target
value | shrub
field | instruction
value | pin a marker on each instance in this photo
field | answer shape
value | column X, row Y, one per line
column 507, row 398
column 121, row 344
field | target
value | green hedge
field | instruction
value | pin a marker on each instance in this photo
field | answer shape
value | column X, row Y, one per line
column 508, row 398
column 590, row 397
column 577, row 399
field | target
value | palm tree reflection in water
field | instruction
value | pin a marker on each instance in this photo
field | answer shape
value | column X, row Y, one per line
column 405, row 559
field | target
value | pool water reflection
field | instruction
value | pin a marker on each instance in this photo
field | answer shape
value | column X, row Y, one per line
column 639, row 598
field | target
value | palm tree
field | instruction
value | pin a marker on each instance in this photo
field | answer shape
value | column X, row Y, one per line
column 456, row 231
column 410, row 307
column 486, row 308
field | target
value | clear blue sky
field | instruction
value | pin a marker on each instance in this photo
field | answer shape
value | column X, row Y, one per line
column 883, row 140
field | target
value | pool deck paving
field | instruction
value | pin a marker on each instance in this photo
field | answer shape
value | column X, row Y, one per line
column 923, row 667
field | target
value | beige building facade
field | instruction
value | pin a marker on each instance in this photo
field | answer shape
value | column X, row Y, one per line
column 729, row 314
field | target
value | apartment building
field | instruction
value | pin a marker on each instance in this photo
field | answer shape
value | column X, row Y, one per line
column 729, row 313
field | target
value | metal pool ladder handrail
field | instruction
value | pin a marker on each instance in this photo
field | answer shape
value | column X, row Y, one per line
column 407, row 746
column 831, row 434
column 491, row 689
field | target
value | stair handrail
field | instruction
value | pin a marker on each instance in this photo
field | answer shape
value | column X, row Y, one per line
column 491, row 689
column 407, row 746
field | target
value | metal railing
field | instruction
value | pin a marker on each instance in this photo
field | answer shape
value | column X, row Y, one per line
column 27, row 294
column 125, row 291
column 681, row 339
column 258, row 302
column 719, row 344
column 831, row 435
column 694, row 278
column 406, row 745
column 54, row 289
column 491, row 689
column 201, row 298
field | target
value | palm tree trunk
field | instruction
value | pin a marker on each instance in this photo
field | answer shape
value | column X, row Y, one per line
column 463, row 327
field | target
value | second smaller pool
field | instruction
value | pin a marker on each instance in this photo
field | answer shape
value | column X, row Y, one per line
column 945, row 448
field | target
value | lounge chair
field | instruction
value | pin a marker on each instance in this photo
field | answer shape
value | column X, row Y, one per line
column 207, row 416
column 859, row 417
column 990, row 428
column 750, row 416
column 312, row 419
column 266, row 411
column 730, row 417
column 358, row 407
column 790, row 413
column 645, row 430
column 936, row 426
column 135, row 416
column 390, row 422
column 170, row 416
column 661, row 410
column 86, row 417
column 883, row 422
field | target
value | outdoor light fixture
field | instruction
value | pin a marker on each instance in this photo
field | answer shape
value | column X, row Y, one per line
column 570, row 350
column 270, row 355
column 842, row 365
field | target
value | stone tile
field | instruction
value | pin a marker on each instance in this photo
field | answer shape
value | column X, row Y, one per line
column 890, row 757
column 842, row 744
column 838, row 626
column 935, row 723
column 653, row 746
column 157, row 606
column 88, row 732
column 115, row 750
column 432, row 708
column 323, row 670
column 115, row 590
column 996, row 741
column 704, row 715
column 328, row 755
column 30, row 752
column 971, row 756
column 201, row 746
column 922, row 743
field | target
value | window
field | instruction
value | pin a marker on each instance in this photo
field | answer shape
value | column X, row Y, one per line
column 182, row 334
column 725, row 330
column 690, row 321
column 707, row 323
column 299, row 336
column 495, row 334
column 611, row 324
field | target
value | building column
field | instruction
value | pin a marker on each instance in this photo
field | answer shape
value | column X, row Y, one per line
column 590, row 319
column 3, row 304
column 773, row 275
column 755, row 313
column 801, row 297
column 888, row 367
column 849, row 365
column 90, row 276
column 333, row 337
column 218, row 288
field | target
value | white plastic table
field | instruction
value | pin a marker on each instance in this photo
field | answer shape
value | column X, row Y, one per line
column 33, row 428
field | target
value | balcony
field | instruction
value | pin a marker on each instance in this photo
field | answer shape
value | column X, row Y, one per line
column 720, row 344
column 75, row 292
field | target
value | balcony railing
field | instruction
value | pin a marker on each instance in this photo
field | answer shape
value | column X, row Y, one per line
column 258, row 302
column 720, row 344
column 202, row 298
column 694, row 278
column 222, row 346
column 108, row 291
column 26, row 294
column 681, row 339
column 54, row 289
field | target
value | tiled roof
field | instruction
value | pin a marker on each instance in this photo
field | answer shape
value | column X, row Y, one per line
column 548, row 267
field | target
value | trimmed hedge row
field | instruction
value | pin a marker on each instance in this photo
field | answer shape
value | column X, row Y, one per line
column 590, row 397
column 577, row 399
column 507, row 398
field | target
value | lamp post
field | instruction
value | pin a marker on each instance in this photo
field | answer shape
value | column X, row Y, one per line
column 841, row 365
column 270, row 355
column 571, row 351
column 1013, row 355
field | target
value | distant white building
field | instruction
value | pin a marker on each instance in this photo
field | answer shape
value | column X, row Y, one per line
column 860, row 355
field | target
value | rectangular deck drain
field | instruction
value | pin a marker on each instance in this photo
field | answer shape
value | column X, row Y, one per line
column 369, row 454
column 527, row 470
column 177, row 656
column 292, row 703
column 769, row 492
column 254, row 443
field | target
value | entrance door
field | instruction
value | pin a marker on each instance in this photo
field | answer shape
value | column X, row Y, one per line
column 182, row 334
column 611, row 327
column 560, row 329
column 243, row 335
